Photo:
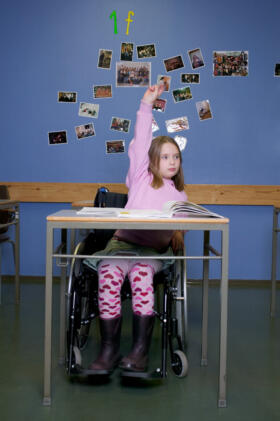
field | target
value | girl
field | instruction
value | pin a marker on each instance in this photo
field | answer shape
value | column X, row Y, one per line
column 155, row 176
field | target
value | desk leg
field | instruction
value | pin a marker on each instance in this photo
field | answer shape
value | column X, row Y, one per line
column 48, row 318
column 205, row 287
column 273, row 266
column 62, row 298
column 17, row 284
column 222, row 403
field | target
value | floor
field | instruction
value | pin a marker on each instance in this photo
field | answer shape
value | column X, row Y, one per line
column 253, row 366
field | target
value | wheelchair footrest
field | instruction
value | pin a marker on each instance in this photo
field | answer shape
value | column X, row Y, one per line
column 83, row 372
column 89, row 372
column 156, row 374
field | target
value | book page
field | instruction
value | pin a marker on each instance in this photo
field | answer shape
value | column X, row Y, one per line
column 144, row 213
column 98, row 212
column 124, row 213
column 189, row 209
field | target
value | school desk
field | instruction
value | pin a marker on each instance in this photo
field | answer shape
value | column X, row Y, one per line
column 69, row 220
column 13, row 206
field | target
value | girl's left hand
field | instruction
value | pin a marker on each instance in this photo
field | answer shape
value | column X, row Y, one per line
column 177, row 241
column 152, row 93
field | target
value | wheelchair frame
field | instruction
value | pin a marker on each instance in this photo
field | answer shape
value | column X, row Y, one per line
column 82, row 308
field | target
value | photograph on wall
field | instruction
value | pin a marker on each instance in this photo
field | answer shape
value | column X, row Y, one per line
column 164, row 80
column 104, row 59
column 173, row 63
column 120, row 124
column 182, row 94
column 67, row 96
column 85, row 130
column 196, row 58
column 102, row 91
column 230, row 63
column 126, row 51
column 155, row 126
column 203, row 109
column 57, row 138
column 190, row 78
column 177, row 124
column 133, row 74
column 181, row 142
column 146, row 51
column 159, row 105
column 277, row 69
column 88, row 110
column 115, row 146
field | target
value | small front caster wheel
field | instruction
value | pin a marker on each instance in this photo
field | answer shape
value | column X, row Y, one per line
column 179, row 363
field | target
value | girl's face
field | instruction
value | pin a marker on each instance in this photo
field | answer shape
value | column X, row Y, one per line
column 169, row 161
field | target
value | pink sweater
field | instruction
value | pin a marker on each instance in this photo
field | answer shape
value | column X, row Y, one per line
column 141, row 194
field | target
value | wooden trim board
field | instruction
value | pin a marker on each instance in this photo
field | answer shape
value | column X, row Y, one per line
column 207, row 194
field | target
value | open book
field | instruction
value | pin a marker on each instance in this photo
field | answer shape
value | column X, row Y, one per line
column 170, row 209
column 189, row 209
column 123, row 213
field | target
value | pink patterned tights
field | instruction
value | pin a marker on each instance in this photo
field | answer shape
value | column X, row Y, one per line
column 111, row 275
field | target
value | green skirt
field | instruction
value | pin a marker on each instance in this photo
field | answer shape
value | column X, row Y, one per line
column 121, row 248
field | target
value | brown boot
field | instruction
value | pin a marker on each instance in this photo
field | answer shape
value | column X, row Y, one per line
column 109, row 355
column 137, row 359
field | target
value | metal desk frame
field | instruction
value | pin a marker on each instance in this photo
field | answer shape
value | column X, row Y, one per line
column 275, row 231
column 14, row 205
column 68, row 219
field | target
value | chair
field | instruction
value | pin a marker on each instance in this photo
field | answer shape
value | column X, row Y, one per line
column 82, row 305
column 6, row 217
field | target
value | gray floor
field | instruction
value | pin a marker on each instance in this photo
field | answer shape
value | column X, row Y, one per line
column 253, row 366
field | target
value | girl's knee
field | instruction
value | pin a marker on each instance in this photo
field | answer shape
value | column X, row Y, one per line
column 110, row 280
column 142, row 269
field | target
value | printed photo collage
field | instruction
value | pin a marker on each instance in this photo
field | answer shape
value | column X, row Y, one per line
column 130, row 73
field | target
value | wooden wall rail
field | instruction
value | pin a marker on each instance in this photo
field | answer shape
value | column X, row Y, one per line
column 207, row 194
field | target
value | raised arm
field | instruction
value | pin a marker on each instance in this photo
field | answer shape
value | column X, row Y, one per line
column 152, row 93
column 139, row 146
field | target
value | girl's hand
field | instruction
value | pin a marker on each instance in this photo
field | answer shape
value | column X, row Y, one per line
column 152, row 93
column 177, row 241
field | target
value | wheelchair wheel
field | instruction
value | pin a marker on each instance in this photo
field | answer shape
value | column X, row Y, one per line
column 77, row 357
column 73, row 355
column 82, row 332
column 75, row 266
column 181, row 300
column 81, row 309
column 179, row 363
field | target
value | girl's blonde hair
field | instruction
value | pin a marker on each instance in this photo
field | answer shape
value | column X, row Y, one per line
column 154, row 157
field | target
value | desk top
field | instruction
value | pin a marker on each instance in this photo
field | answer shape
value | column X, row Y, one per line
column 70, row 215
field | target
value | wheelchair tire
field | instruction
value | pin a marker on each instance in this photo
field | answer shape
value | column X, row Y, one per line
column 77, row 356
column 83, row 332
column 179, row 363
column 75, row 268
column 182, row 301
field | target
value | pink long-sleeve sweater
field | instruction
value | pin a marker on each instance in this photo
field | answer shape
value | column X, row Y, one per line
column 141, row 194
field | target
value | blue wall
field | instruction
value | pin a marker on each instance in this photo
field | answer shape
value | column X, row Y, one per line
column 53, row 46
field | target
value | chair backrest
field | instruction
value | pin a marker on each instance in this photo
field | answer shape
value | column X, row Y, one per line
column 104, row 198
column 98, row 240
column 4, row 192
column 5, row 215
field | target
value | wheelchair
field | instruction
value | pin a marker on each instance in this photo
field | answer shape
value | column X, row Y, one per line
column 82, row 304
